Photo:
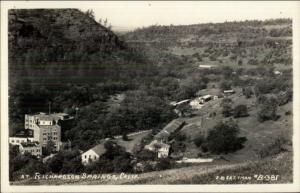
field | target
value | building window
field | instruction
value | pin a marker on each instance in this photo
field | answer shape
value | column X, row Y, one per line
column 85, row 156
column 18, row 141
column 12, row 141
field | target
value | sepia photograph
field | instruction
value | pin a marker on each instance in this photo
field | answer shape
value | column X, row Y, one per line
column 149, row 93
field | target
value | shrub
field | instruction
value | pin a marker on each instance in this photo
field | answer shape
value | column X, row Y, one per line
column 223, row 138
column 163, row 164
column 199, row 140
column 146, row 155
column 275, row 148
column 268, row 109
column 240, row 111
column 225, row 85
column 247, row 92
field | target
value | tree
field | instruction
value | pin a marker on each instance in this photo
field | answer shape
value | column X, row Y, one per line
column 90, row 13
column 225, row 85
column 125, row 137
column 163, row 164
column 199, row 140
column 267, row 109
column 223, row 138
column 240, row 111
column 247, row 92
column 50, row 148
column 226, row 107
column 146, row 155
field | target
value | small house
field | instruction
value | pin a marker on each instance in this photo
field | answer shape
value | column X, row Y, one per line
column 162, row 149
column 93, row 154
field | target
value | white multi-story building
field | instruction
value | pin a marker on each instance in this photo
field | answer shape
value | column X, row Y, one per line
column 46, row 128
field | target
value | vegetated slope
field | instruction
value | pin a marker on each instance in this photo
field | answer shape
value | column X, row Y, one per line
column 231, row 43
column 261, row 136
column 56, row 41
column 280, row 165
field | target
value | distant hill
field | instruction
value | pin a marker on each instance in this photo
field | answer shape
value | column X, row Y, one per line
column 230, row 43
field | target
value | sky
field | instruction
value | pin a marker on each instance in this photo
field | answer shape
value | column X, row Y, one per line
column 145, row 13
column 134, row 14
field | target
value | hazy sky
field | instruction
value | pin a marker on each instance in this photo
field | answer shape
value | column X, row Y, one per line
column 132, row 14
column 145, row 13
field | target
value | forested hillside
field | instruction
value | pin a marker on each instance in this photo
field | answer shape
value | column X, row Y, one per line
column 114, row 86
column 230, row 43
column 63, row 58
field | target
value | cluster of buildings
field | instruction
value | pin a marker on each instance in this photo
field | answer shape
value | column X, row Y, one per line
column 40, row 129
column 160, row 142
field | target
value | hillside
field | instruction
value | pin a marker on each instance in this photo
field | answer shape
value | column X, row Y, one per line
column 240, row 44
column 62, row 42
column 200, row 174
column 57, row 35
column 65, row 60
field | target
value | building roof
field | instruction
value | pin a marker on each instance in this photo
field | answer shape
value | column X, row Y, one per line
column 228, row 91
column 170, row 128
column 206, row 96
column 99, row 149
column 30, row 144
column 205, row 66
column 51, row 117
column 49, row 126
column 24, row 133
column 156, row 144
column 174, row 103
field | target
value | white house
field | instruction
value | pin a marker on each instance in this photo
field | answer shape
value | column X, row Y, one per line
column 92, row 154
column 161, row 148
column 163, row 151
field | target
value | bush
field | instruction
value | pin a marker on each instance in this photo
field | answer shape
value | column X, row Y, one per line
column 268, row 109
column 163, row 164
column 275, row 148
column 146, row 155
column 240, row 111
column 199, row 140
column 225, row 85
column 223, row 138
column 247, row 92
